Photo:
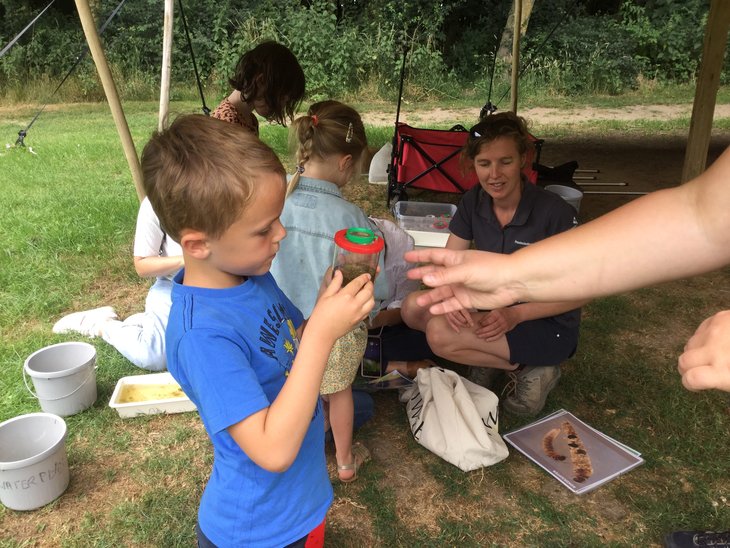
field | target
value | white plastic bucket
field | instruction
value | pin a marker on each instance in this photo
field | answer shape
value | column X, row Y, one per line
column 571, row 195
column 33, row 463
column 378, row 172
column 64, row 377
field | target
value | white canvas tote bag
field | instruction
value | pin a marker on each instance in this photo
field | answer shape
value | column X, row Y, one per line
column 454, row 418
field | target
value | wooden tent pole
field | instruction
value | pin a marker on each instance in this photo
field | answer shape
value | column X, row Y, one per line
column 166, row 63
column 97, row 52
column 708, row 82
column 516, row 54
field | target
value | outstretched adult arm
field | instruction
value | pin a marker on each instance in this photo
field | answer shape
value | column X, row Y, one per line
column 665, row 235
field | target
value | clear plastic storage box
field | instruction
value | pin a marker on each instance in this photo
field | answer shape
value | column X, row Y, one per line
column 427, row 222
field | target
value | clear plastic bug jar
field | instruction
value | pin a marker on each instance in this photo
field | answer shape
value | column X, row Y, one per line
column 357, row 251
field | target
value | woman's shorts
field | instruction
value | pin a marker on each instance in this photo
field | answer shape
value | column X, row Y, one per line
column 541, row 342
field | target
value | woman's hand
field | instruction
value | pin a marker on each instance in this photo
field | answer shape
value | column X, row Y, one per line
column 495, row 323
column 459, row 319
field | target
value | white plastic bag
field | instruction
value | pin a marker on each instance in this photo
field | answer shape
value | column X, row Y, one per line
column 455, row 418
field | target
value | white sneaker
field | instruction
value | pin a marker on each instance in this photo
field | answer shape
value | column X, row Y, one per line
column 86, row 322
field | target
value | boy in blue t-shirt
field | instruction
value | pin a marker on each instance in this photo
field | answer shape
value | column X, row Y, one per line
column 234, row 340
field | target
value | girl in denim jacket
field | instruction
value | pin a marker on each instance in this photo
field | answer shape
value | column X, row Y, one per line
column 330, row 141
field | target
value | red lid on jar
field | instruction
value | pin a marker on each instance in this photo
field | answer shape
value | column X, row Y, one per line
column 359, row 240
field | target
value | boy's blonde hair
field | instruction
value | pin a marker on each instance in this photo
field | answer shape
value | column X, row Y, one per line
column 329, row 127
column 200, row 173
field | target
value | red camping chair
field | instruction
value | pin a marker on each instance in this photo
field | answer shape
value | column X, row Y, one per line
column 430, row 159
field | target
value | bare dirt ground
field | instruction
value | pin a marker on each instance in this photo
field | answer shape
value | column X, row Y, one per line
column 545, row 116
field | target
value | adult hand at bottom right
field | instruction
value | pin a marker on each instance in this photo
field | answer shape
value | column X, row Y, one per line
column 705, row 362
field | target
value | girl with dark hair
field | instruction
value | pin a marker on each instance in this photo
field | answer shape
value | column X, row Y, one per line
column 268, row 81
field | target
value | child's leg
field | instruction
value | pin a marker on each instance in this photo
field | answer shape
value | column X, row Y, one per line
column 341, row 420
column 141, row 337
column 337, row 386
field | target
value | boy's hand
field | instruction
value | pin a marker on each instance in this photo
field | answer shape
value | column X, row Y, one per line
column 326, row 281
column 339, row 309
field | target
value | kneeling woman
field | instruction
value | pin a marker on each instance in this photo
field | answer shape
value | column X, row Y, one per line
column 503, row 214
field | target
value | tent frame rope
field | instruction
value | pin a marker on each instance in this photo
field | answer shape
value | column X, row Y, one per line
column 206, row 110
column 22, row 32
column 22, row 134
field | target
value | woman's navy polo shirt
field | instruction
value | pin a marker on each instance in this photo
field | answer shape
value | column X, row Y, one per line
column 540, row 214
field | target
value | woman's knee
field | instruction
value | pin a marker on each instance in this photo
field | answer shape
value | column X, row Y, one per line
column 440, row 337
column 411, row 313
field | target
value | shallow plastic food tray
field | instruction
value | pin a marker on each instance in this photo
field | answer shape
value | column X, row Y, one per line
column 427, row 222
column 149, row 407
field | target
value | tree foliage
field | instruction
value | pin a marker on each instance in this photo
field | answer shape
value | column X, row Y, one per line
column 346, row 46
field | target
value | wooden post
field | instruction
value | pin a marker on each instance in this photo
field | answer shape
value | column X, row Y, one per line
column 166, row 63
column 516, row 55
column 97, row 52
column 708, row 82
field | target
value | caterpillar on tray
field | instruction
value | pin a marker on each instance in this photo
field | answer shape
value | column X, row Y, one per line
column 582, row 467
column 547, row 444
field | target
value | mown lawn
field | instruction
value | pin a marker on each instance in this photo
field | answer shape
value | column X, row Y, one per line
column 67, row 223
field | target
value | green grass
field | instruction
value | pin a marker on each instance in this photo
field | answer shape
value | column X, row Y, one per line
column 67, row 227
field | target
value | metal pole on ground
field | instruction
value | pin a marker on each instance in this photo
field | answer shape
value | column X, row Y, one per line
column 617, row 193
column 112, row 97
column 166, row 63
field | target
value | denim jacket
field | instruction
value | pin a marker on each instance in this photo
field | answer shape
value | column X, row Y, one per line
column 312, row 214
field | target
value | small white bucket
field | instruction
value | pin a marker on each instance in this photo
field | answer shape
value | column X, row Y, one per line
column 33, row 463
column 64, row 377
column 571, row 195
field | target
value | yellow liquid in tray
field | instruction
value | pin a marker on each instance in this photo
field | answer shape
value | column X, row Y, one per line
column 149, row 392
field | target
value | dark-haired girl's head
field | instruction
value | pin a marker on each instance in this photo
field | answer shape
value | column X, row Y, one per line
column 271, row 76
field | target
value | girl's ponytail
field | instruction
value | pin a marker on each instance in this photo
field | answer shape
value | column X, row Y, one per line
column 301, row 137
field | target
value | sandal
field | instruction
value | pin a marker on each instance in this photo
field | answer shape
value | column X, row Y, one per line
column 360, row 455
column 409, row 369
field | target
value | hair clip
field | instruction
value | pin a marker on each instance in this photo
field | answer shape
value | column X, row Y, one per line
column 315, row 120
column 300, row 169
column 350, row 132
column 476, row 134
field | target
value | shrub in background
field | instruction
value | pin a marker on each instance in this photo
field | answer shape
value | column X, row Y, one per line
column 597, row 47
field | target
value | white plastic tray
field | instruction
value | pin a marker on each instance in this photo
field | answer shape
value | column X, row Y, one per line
column 150, row 407
column 422, row 238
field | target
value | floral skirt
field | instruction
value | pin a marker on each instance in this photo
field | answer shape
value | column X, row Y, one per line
column 344, row 360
